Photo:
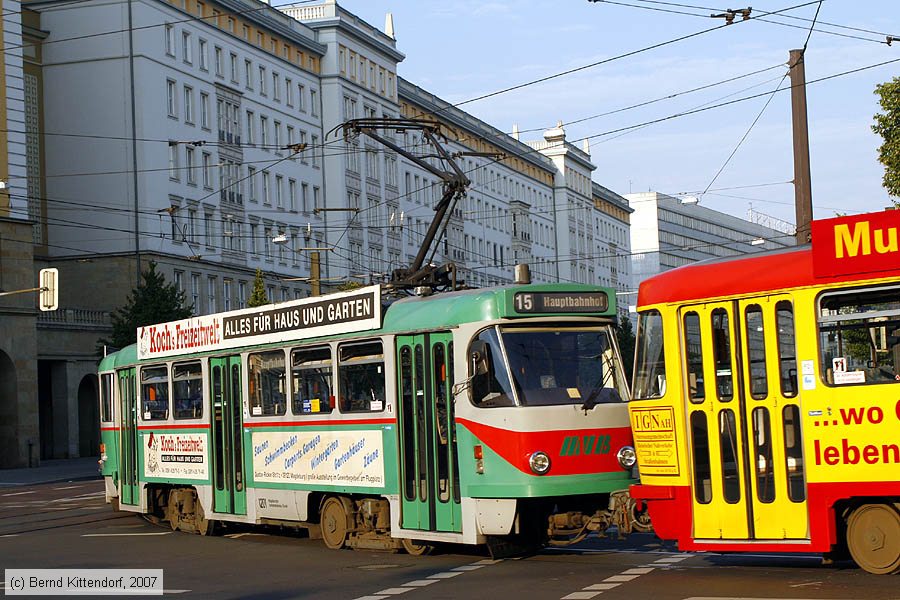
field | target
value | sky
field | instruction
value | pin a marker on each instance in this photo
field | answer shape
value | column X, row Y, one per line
column 461, row 50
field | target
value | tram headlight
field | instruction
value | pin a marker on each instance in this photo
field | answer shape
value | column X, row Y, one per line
column 539, row 463
column 626, row 457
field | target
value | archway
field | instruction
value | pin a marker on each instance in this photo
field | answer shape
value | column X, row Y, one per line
column 88, row 417
column 9, row 411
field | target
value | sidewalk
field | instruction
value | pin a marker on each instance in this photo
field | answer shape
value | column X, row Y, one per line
column 51, row 471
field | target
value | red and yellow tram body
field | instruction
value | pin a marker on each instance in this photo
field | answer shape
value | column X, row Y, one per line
column 767, row 398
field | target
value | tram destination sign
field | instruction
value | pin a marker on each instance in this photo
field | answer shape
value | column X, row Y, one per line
column 560, row 302
column 334, row 314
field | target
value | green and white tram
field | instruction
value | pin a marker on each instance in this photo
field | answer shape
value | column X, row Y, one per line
column 491, row 416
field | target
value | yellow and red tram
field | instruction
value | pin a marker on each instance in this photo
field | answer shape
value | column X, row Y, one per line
column 766, row 412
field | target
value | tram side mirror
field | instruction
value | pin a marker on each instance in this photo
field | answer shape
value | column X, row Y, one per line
column 480, row 358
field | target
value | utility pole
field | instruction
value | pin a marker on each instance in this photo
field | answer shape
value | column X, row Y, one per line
column 802, row 182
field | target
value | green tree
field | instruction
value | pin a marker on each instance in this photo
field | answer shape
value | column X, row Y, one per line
column 258, row 296
column 887, row 125
column 625, row 337
column 152, row 301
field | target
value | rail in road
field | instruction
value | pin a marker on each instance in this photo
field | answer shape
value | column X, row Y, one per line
column 52, row 506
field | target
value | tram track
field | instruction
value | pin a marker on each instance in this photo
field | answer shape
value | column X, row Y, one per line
column 34, row 526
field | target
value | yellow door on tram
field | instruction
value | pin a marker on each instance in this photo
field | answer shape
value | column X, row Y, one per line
column 772, row 416
column 743, row 411
column 715, row 421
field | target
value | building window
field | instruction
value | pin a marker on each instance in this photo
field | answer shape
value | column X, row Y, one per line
column 277, row 141
column 292, row 194
column 207, row 170
column 171, row 99
column 279, row 191
column 248, row 74
column 170, row 39
column 204, row 110
column 173, row 161
column 288, row 92
column 276, row 87
column 220, row 67
column 227, row 285
column 242, row 294
column 263, row 132
column 188, row 105
column 204, row 61
column 262, row 81
column 251, row 126
column 301, row 100
column 190, row 165
column 315, row 152
column 251, row 183
column 186, row 53
column 211, row 295
column 313, row 103
column 266, row 198
column 195, row 292
column 234, row 67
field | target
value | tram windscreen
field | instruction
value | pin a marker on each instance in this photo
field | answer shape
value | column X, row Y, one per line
column 567, row 366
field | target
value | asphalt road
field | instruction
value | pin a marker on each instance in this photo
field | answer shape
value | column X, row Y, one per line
column 68, row 525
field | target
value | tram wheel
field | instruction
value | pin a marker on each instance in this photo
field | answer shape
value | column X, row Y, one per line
column 416, row 549
column 204, row 526
column 334, row 521
column 873, row 536
column 173, row 513
column 640, row 519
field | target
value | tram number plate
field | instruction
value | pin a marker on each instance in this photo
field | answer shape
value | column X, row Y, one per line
column 560, row 302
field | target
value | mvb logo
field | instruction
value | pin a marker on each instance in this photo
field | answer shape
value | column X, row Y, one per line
column 573, row 445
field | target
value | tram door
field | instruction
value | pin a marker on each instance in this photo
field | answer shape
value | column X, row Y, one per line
column 129, row 492
column 429, row 469
column 744, row 420
column 229, row 489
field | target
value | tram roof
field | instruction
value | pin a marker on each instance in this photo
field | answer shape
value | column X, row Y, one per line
column 788, row 268
column 419, row 313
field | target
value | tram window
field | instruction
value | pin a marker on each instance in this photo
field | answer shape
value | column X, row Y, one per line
column 693, row 353
column 439, row 366
column 106, row 397
column 268, row 391
column 700, row 448
column 793, row 453
column 650, row 359
column 756, row 352
column 728, row 442
column 563, row 366
column 490, row 380
column 155, row 393
column 722, row 354
column 859, row 336
column 787, row 352
column 407, row 423
column 361, row 377
column 311, row 376
column 187, row 390
column 762, row 443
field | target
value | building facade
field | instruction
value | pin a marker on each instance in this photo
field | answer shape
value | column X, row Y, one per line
column 668, row 232
column 204, row 136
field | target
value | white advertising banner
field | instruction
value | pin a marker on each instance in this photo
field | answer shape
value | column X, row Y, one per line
column 175, row 455
column 333, row 314
column 319, row 457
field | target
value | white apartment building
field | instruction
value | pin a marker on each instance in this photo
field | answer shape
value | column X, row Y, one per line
column 668, row 232
column 204, row 135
